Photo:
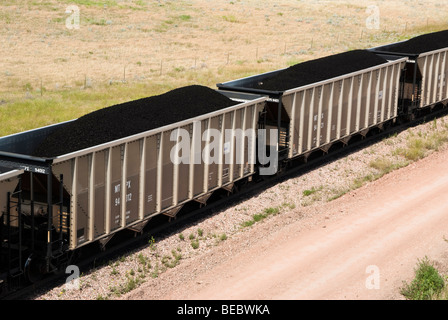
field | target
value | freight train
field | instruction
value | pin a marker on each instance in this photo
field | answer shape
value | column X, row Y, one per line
column 81, row 182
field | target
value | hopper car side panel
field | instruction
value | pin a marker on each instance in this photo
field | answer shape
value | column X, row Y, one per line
column 424, row 83
column 335, row 109
column 124, row 183
column 434, row 70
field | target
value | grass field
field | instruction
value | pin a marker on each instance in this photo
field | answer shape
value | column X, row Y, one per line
column 124, row 50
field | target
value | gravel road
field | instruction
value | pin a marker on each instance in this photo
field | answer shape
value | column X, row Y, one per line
column 360, row 246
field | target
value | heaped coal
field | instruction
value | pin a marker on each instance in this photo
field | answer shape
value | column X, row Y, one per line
column 321, row 69
column 132, row 117
column 424, row 43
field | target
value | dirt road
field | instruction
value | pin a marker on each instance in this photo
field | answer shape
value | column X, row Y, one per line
column 361, row 246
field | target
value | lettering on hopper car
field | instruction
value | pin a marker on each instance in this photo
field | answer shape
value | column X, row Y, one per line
column 117, row 191
column 34, row 169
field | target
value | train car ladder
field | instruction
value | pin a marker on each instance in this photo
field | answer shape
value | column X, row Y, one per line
column 283, row 138
column 14, row 228
column 60, row 224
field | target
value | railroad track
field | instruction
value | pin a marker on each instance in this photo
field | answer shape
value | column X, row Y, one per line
column 161, row 229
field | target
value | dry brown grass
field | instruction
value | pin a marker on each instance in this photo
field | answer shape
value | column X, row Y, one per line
column 165, row 44
column 134, row 39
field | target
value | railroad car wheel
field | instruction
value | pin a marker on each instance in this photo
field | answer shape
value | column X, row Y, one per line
column 34, row 268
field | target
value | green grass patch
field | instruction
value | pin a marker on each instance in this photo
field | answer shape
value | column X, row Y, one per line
column 293, row 62
column 385, row 166
column 95, row 21
column 20, row 113
column 337, row 193
column 261, row 216
column 311, row 191
column 184, row 17
column 5, row 17
column 172, row 261
column 427, row 284
column 195, row 244
column 25, row 107
column 172, row 22
column 231, row 18
column 359, row 182
column 382, row 166
column 418, row 146
column 416, row 149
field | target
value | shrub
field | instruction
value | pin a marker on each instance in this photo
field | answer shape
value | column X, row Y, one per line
column 309, row 192
column 383, row 165
column 426, row 284
column 195, row 244
column 313, row 190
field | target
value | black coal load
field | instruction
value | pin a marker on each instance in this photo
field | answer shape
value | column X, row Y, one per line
column 132, row 117
column 321, row 69
column 424, row 43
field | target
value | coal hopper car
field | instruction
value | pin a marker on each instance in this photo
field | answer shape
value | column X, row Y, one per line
column 424, row 83
column 318, row 103
column 71, row 184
